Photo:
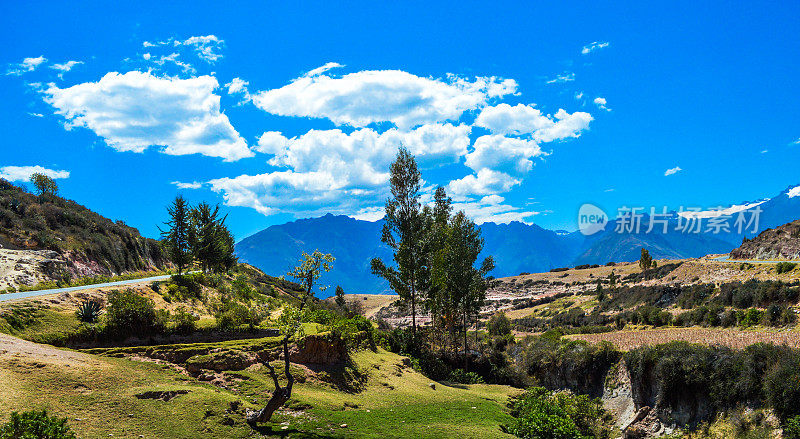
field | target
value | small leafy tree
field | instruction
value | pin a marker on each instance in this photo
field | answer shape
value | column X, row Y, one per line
column 177, row 237
column 499, row 324
column 44, row 184
column 307, row 274
column 36, row 425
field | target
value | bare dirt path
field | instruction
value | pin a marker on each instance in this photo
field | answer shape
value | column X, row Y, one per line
column 16, row 349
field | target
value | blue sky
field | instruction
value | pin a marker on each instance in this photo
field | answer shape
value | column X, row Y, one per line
column 524, row 112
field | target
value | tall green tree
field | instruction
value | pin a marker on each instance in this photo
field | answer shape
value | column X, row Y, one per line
column 176, row 237
column 645, row 261
column 404, row 232
column 211, row 241
column 340, row 297
column 307, row 274
column 44, row 184
column 466, row 284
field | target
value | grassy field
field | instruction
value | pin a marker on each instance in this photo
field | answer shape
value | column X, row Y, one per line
column 734, row 338
column 98, row 396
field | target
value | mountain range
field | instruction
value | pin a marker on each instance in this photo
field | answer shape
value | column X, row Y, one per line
column 516, row 247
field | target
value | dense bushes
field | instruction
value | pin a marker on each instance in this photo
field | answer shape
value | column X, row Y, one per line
column 35, row 425
column 558, row 364
column 712, row 379
column 541, row 414
column 784, row 267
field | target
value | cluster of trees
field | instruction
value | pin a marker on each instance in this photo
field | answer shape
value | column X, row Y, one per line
column 435, row 254
column 198, row 234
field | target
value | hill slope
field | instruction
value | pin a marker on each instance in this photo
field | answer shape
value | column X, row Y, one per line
column 90, row 243
column 782, row 242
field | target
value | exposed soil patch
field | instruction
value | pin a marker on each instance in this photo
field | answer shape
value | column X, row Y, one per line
column 162, row 395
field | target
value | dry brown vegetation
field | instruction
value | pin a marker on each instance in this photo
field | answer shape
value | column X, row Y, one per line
column 733, row 338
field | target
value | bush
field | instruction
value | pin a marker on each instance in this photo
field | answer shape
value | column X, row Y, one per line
column 540, row 414
column 462, row 377
column 184, row 321
column 791, row 430
column 129, row 314
column 499, row 324
column 784, row 267
column 35, row 425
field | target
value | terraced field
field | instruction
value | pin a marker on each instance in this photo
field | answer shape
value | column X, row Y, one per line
column 733, row 338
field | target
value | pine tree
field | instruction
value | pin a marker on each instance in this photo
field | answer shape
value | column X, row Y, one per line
column 177, row 236
column 645, row 261
column 340, row 296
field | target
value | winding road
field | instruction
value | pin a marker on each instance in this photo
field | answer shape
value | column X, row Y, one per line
column 28, row 294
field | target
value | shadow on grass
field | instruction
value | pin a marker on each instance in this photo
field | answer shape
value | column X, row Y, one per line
column 293, row 433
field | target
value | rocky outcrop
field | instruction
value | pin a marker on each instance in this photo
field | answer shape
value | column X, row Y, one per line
column 325, row 348
column 29, row 267
column 779, row 243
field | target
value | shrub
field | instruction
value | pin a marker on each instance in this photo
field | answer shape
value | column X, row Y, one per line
column 130, row 314
column 784, row 267
column 499, row 324
column 184, row 321
column 463, row 377
column 88, row 311
column 35, row 425
column 791, row 430
column 540, row 414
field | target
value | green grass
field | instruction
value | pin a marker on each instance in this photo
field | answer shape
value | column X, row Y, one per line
column 45, row 325
column 393, row 401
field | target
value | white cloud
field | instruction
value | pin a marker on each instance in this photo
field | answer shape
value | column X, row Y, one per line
column 136, row 110
column 363, row 156
column 36, row 114
column 370, row 213
column 190, row 185
column 491, row 209
column 301, row 192
column 796, row 142
column 484, row 182
column 507, row 153
column 23, row 173
column 794, row 192
column 562, row 78
column 764, row 151
column 322, row 69
column 65, row 67
column 601, row 103
column 672, row 171
column 589, row 48
column 27, row 65
column 366, row 97
column 525, row 119
column 172, row 58
column 206, row 47
column 147, row 56
column 579, row 95
column 238, row 87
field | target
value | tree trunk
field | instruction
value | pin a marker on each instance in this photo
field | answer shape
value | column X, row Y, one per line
column 279, row 396
column 466, row 353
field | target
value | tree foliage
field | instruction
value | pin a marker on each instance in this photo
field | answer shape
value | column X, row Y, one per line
column 44, row 184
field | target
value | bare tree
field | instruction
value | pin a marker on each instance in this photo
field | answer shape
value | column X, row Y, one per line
column 307, row 273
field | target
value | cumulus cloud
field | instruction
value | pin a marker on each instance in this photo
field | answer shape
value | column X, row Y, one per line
column 304, row 193
column 672, row 171
column 23, row 173
column 65, row 67
column 589, row 48
column 562, row 78
column 601, row 103
column 366, row 97
column 526, row 119
column 136, row 110
column 484, row 182
column 363, row 156
column 491, row 209
column 188, row 185
column 27, row 65
column 507, row 153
